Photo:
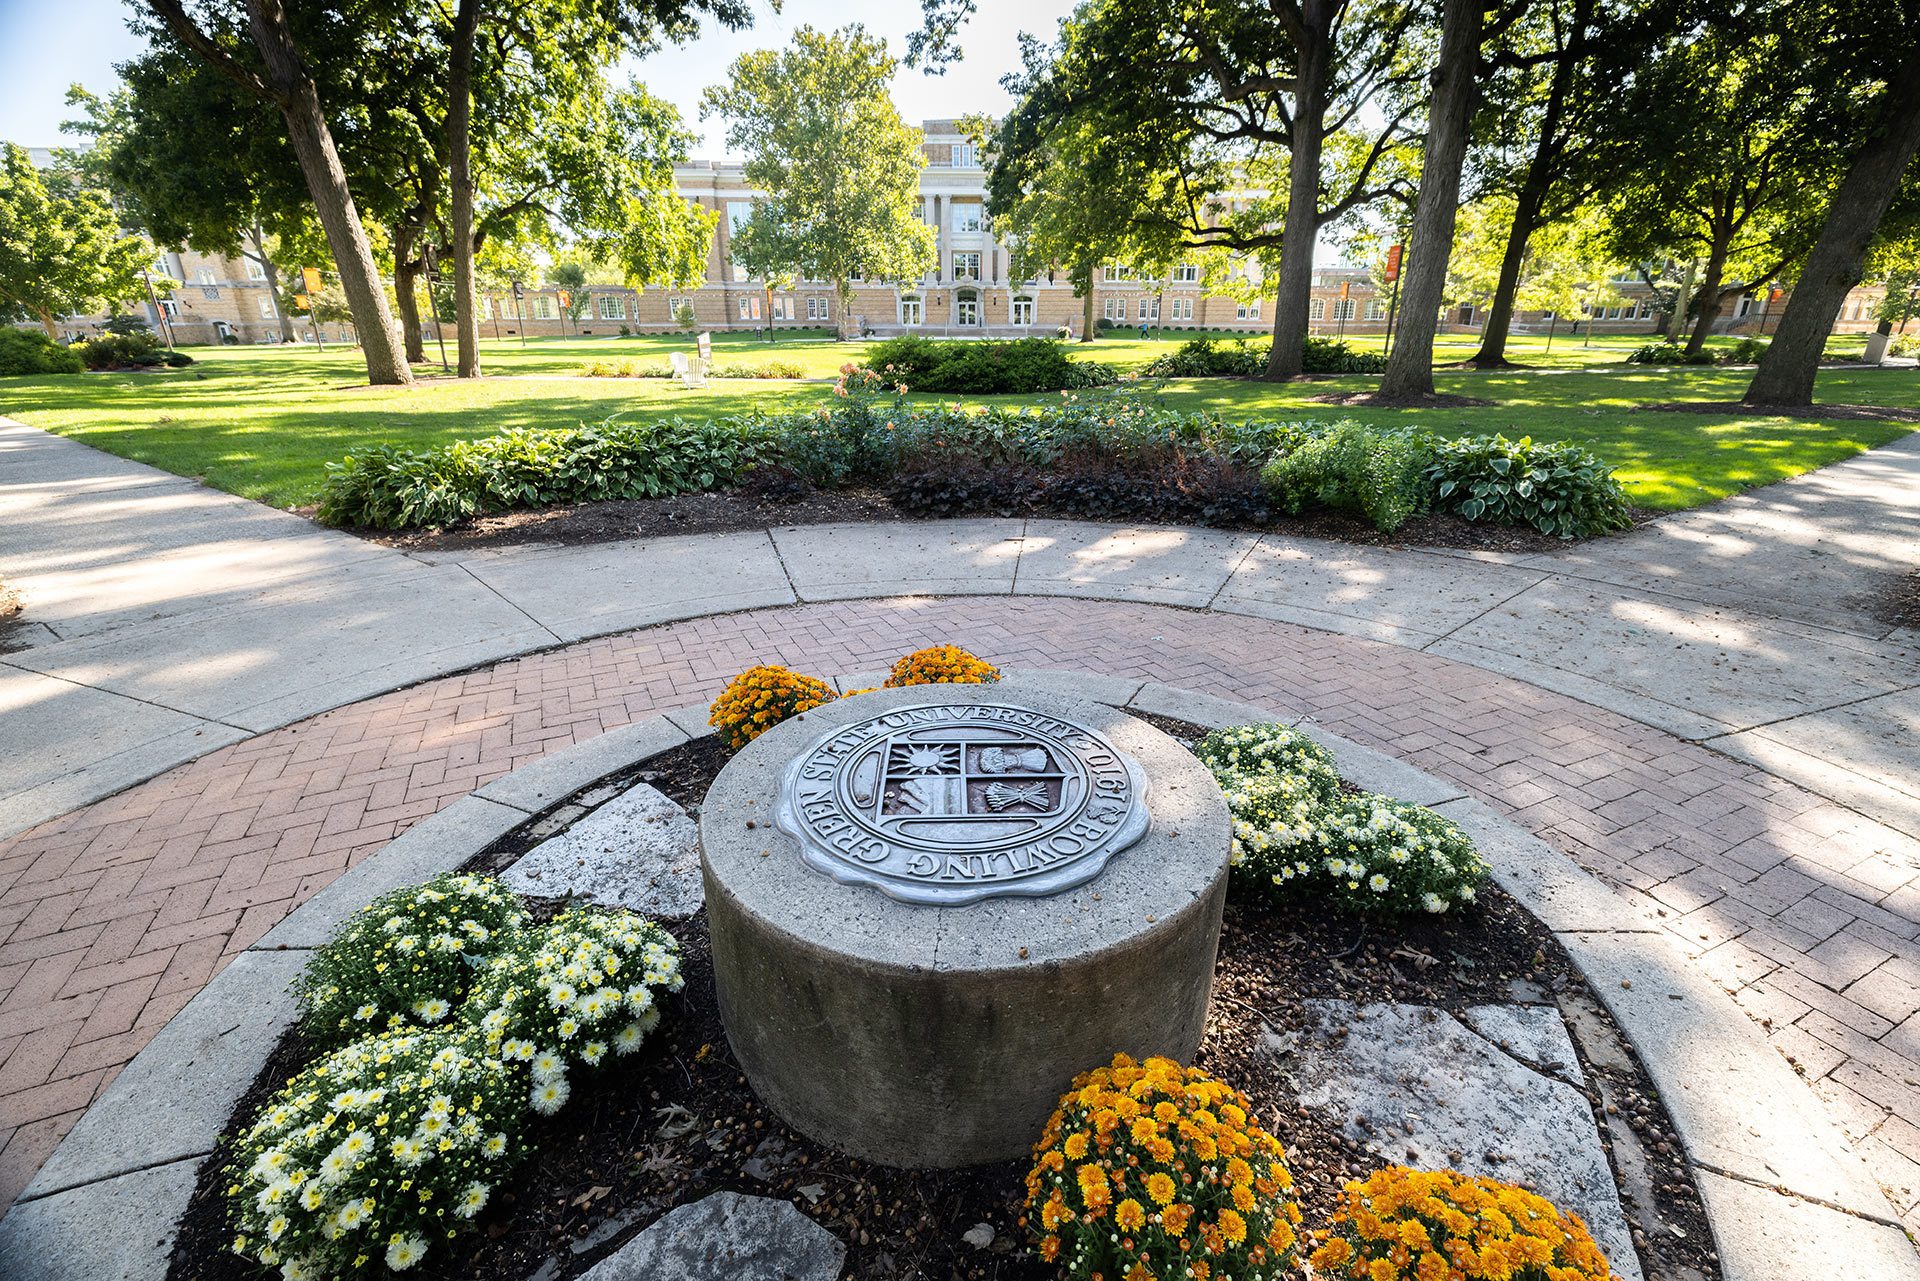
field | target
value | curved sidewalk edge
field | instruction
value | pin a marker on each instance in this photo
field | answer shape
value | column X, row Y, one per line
column 1784, row 1195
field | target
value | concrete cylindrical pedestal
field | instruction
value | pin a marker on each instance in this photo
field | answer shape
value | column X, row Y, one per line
column 918, row 1035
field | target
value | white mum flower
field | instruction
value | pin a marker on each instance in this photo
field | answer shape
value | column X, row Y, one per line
column 551, row 1095
column 404, row 1252
column 472, row 1201
column 628, row 1039
column 1378, row 883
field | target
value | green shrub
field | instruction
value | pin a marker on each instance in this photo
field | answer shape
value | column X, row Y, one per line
column 1330, row 356
column 1297, row 837
column 1745, row 352
column 377, row 1152
column 1558, row 489
column 136, row 350
column 1669, row 353
column 177, row 359
column 1015, row 367
column 572, row 991
column 765, row 369
column 405, row 959
column 26, row 352
column 625, row 369
column 385, row 487
column 1902, row 345
column 1352, row 467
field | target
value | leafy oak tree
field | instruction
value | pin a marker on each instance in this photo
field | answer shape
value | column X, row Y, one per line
column 61, row 246
column 1869, row 60
column 841, row 169
column 1231, row 128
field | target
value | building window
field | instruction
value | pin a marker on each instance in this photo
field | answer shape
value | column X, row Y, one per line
column 783, row 307
column 966, row 264
column 254, row 270
column 486, row 307
column 543, row 307
column 206, row 276
column 1376, row 309
column 1117, row 271
column 1251, row 310
column 966, row 311
column 964, row 155
column 1187, row 273
column 266, row 309
column 613, row 307
column 1317, row 309
column 1181, row 308
column 966, row 216
column 750, row 307
column 1114, row 309
column 911, row 312
column 817, row 309
column 1342, row 309
column 1022, row 311
column 170, row 308
column 1149, row 309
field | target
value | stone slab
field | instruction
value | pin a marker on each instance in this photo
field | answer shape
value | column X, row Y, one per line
column 1534, row 1034
column 543, row 783
column 1556, row 890
column 1095, row 687
column 727, row 1237
column 1199, row 709
column 1399, row 591
column 1598, row 691
column 121, row 1229
column 1732, row 667
column 576, row 592
column 639, row 851
column 1738, row 1106
column 438, row 843
column 930, row 558
column 84, row 743
column 1762, row 1235
column 172, row 1101
column 1426, row 1092
column 1165, row 565
column 1862, row 755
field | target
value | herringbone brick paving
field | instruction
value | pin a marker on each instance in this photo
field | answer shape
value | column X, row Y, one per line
column 111, row 918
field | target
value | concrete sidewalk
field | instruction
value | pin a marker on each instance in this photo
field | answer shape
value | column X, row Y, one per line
column 165, row 619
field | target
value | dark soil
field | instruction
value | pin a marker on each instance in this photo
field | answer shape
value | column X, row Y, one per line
column 1849, row 413
column 1378, row 400
column 1898, row 605
column 678, row 1121
column 733, row 511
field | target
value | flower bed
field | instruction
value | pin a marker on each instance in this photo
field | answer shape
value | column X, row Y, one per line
column 1114, row 451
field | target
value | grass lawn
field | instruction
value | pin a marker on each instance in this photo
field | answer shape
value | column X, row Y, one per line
column 264, row 421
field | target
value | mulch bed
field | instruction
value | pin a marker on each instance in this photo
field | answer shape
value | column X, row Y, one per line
column 678, row 1121
column 1899, row 604
column 734, row 511
column 1849, row 413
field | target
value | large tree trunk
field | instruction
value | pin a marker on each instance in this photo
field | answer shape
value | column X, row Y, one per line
column 271, row 275
column 1677, row 319
column 460, row 177
column 299, row 102
column 1707, row 300
column 1838, row 259
column 1086, row 310
column 1287, row 359
column 406, row 293
column 1410, row 367
column 46, row 322
column 1532, row 197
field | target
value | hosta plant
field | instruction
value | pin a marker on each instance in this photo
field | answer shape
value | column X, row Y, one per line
column 573, row 991
column 1417, row 1225
column 374, row 1154
column 1155, row 1170
column 1558, row 489
column 761, row 697
column 407, row 958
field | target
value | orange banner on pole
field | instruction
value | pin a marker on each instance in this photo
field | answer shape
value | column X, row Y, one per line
column 1393, row 263
column 311, row 275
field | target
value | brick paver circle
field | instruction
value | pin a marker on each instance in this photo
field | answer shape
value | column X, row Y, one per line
column 112, row 917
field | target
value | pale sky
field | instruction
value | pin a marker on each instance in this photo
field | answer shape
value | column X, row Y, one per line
column 45, row 45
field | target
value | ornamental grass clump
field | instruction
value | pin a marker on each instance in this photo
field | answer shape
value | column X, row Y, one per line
column 406, row 959
column 374, row 1154
column 1157, row 1171
column 571, row 992
column 941, row 665
column 1415, row 1225
column 761, row 697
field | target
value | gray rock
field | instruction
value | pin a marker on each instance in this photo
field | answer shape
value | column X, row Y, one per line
column 1534, row 1034
column 120, row 1229
column 727, row 1237
column 1415, row 1084
column 638, row 851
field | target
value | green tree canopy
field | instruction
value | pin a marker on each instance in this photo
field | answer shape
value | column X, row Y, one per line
column 62, row 249
column 841, row 169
